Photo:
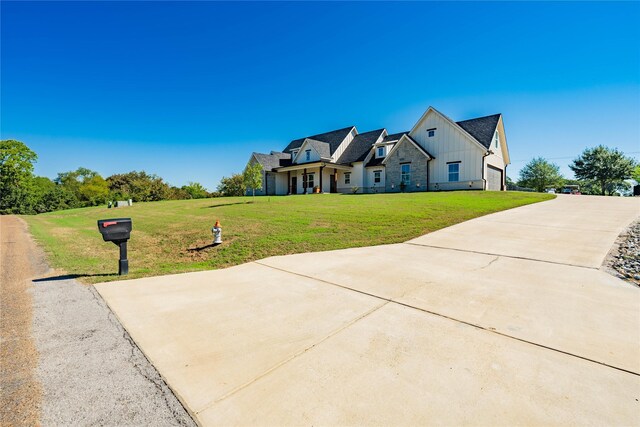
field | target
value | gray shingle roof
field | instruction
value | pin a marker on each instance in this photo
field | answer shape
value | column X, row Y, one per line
column 333, row 138
column 322, row 148
column 374, row 162
column 481, row 128
column 360, row 146
column 271, row 161
column 394, row 137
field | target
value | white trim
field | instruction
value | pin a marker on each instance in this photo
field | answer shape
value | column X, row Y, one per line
column 406, row 138
column 503, row 142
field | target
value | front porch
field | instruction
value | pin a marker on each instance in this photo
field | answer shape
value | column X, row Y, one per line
column 313, row 177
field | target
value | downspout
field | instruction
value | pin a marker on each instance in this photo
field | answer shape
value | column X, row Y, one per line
column 484, row 181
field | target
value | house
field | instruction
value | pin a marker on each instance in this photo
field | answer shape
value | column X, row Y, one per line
column 436, row 154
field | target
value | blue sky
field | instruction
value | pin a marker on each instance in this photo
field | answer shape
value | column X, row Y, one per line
column 189, row 90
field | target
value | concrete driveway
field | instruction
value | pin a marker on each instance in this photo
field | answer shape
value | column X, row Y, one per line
column 504, row 319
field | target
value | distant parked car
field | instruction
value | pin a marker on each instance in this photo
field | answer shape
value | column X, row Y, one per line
column 571, row 189
column 550, row 190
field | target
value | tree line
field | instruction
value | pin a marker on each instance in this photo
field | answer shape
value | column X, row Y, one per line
column 21, row 192
column 600, row 171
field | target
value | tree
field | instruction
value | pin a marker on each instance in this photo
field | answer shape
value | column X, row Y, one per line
column 16, row 177
column 139, row 186
column 253, row 177
column 232, row 186
column 86, row 185
column 540, row 174
column 608, row 167
column 195, row 190
column 635, row 175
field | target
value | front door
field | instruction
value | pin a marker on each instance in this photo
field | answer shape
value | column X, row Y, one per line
column 294, row 185
column 332, row 182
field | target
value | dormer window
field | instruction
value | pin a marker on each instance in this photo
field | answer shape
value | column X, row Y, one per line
column 380, row 151
column 307, row 155
column 431, row 132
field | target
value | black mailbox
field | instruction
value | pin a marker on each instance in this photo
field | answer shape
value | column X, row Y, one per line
column 118, row 231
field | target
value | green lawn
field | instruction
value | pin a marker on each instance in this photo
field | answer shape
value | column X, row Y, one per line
column 166, row 235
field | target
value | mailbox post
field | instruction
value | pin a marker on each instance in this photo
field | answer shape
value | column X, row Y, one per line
column 118, row 231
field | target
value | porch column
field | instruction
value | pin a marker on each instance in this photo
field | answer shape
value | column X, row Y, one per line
column 335, row 179
column 304, row 180
column 288, row 183
column 321, row 169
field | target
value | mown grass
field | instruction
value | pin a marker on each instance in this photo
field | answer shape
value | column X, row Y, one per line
column 171, row 236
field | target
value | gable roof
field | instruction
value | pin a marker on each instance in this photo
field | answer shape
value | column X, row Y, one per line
column 412, row 141
column 271, row 161
column 333, row 138
column 481, row 128
column 358, row 149
column 322, row 148
column 394, row 137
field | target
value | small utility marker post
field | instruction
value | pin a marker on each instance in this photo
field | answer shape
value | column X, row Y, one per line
column 118, row 231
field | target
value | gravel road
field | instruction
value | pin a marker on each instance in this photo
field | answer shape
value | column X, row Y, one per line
column 66, row 360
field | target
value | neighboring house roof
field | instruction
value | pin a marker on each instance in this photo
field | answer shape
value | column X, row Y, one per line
column 333, row 138
column 358, row 149
column 394, row 137
column 271, row 161
column 481, row 128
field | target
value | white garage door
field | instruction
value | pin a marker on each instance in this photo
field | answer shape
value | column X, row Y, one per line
column 494, row 178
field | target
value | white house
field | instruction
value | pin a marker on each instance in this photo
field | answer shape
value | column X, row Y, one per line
column 436, row 154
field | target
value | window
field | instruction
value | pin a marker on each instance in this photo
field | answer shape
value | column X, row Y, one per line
column 380, row 151
column 405, row 173
column 454, row 172
column 307, row 154
column 310, row 180
column 497, row 138
column 377, row 176
column 431, row 132
column 293, row 154
column 347, row 178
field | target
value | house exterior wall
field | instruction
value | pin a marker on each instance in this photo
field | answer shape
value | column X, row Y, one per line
column 357, row 176
column 282, row 187
column 371, row 185
column 302, row 157
column 406, row 153
column 449, row 144
column 497, row 158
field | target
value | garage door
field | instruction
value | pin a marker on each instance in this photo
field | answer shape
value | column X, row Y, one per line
column 494, row 178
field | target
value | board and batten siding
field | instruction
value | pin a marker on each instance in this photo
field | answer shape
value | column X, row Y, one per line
column 449, row 145
column 282, row 186
column 344, row 144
